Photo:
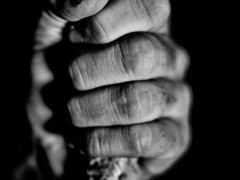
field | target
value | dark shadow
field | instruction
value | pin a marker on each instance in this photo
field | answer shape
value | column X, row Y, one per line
column 21, row 29
column 56, row 96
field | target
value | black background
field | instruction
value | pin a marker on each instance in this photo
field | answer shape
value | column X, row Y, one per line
column 193, row 27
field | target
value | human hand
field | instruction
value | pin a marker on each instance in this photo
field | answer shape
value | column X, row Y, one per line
column 135, row 103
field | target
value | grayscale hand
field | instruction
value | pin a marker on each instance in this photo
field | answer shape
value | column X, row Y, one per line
column 135, row 103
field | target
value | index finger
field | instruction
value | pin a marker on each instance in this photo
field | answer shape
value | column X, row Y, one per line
column 74, row 10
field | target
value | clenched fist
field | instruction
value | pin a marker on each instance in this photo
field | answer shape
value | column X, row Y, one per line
column 132, row 101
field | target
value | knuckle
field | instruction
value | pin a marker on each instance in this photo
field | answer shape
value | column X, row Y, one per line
column 138, row 56
column 135, row 102
column 175, row 99
column 164, row 98
column 170, row 59
column 122, row 102
column 183, row 96
column 141, row 139
column 144, row 99
column 96, row 32
column 173, row 57
column 163, row 140
column 126, row 102
column 82, row 71
column 176, row 141
column 156, row 10
column 144, row 56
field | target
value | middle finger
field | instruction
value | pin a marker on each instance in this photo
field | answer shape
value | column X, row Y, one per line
column 130, row 104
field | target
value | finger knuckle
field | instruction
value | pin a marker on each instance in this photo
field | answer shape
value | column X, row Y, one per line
column 138, row 56
column 96, row 31
column 175, row 141
column 135, row 102
column 156, row 10
column 83, row 72
column 171, row 60
column 126, row 102
column 141, row 139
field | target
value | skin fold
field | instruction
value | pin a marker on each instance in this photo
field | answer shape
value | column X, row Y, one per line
column 130, row 98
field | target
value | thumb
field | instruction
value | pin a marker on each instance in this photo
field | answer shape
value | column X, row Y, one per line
column 58, row 13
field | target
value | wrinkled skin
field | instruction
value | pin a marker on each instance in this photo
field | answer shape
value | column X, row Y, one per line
column 132, row 100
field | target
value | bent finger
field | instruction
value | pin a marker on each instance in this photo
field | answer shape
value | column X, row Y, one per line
column 143, row 140
column 130, row 104
column 121, row 17
column 134, row 57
